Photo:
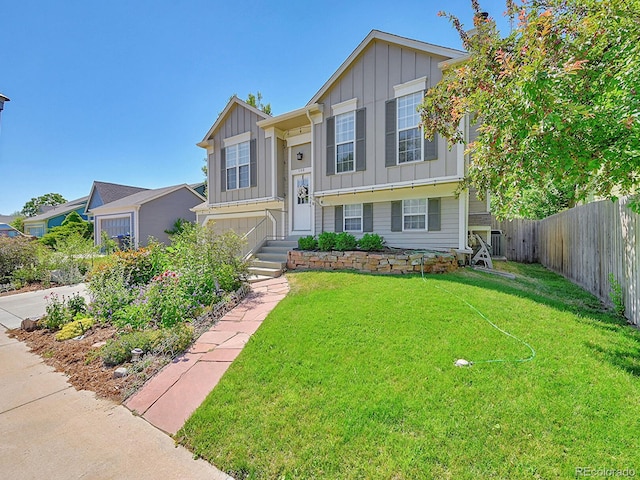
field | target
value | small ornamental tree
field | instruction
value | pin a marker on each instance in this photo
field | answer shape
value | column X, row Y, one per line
column 557, row 102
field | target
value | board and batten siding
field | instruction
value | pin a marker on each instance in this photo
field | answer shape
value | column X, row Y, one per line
column 241, row 120
column 160, row 214
column 371, row 79
column 239, row 225
column 445, row 238
column 475, row 204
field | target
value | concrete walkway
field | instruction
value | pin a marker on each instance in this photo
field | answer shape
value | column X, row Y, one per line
column 170, row 397
column 50, row 430
column 15, row 308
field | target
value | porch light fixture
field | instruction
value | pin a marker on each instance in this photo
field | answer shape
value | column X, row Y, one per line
column 299, row 156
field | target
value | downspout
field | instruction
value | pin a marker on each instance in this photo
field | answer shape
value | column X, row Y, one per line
column 313, row 154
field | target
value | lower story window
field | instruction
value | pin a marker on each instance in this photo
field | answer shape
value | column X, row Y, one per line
column 115, row 227
column 414, row 214
column 353, row 218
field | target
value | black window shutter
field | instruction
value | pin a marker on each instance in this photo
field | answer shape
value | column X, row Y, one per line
column 361, row 144
column 431, row 148
column 331, row 147
column 367, row 217
column 223, row 170
column 434, row 214
column 253, row 164
column 396, row 216
column 338, row 219
column 390, row 148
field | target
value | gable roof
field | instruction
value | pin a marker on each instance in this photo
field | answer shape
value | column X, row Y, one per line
column 110, row 192
column 140, row 198
column 374, row 35
column 57, row 210
column 232, row 102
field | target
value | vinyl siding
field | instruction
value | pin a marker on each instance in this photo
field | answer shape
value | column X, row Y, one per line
column 371, row 79
column 445, row 238
column 160, row 214
column 240, row 120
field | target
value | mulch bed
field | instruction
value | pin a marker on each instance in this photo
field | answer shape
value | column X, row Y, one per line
column 70, row 357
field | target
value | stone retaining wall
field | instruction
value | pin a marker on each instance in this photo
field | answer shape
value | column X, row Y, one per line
column 372, row 262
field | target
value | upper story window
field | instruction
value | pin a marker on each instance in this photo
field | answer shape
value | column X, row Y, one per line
column 346, row 138
column 345, row 142
column 404, row 137
column 409, row 130
column 237, row 158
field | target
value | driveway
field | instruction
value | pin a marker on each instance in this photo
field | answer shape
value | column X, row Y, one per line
column 50, row 430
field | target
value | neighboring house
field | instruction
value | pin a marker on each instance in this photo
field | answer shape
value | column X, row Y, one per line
column 144, row 214
column 105, row 192
column 6, row 230
column 50, row 217
column 200, row 188
column 353, row 159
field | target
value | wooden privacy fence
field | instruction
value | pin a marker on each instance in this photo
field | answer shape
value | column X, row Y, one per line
column 584, row 244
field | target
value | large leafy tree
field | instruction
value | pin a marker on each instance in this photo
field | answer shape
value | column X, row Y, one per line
column 557, row 102
column 33, row 206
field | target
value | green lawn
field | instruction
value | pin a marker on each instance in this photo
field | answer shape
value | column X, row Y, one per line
column 352, row 376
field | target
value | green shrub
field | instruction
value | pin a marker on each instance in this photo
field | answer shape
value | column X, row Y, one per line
column 345, row 241
column 118, row 350
column 135, row 316
column 75, row 328
column 327, row 241
column 174, row 340
column 227, row 279
column 56, row 312
column 110, row 291
column 167, row 341
column 18, row 253
column 72, row 226
column 371, row 242
column 76, row 304
column 308, row 243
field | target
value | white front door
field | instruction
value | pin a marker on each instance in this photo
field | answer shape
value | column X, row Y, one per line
column 301, row 206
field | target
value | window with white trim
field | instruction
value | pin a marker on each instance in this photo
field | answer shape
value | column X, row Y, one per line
column 414, row 214
column 352, row 217
column 345, row 142
column 115, row 227
column 410, row 136
column 237, row 159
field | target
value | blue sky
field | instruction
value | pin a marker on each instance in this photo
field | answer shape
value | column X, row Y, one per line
column 121, row 91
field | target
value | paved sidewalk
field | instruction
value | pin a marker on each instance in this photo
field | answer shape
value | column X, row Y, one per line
column 50, row 430
column 170, row 397
column 15, row 308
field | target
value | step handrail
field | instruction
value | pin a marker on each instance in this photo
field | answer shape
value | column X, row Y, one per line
column 251, row 247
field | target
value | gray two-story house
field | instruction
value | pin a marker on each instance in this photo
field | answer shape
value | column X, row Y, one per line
column 353, row 159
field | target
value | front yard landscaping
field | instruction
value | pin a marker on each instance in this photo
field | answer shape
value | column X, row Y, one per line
column 353, row 376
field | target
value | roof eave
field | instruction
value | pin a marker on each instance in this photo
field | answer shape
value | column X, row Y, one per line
column 390, row 38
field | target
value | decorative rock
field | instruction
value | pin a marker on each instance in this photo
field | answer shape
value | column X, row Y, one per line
column 98, row 344
column 120, row 372
column 29, row 324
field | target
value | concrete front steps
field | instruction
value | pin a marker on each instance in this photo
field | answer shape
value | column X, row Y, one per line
column 271, row 259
